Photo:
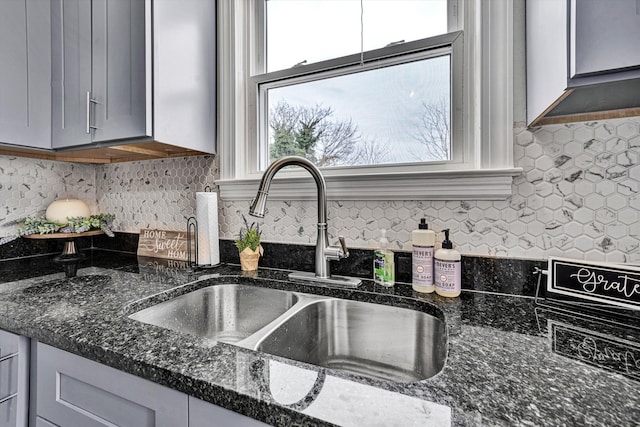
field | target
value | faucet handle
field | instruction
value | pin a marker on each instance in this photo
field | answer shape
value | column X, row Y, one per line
column 344, row 246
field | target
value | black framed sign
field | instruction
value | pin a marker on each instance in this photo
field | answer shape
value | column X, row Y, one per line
column 606, row 283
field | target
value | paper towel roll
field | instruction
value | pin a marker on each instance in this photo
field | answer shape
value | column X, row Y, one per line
column 208, row 234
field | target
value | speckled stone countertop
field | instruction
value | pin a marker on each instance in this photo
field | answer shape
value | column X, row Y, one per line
column 509, row 360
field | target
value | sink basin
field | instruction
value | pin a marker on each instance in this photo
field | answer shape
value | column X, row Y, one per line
column 373, row 340
column 369, row 339
column 227, row 312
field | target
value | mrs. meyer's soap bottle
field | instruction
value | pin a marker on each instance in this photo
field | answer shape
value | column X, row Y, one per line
column 448, row 269
column 422, row 241
column 383, row 263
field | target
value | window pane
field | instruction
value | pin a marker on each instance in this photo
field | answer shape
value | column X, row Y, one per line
column 316, row 30
column 396, row 114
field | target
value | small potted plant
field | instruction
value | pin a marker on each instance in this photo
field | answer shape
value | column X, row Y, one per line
column 248, row 246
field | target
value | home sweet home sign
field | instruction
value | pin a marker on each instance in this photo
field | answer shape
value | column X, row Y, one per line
column 163, row 244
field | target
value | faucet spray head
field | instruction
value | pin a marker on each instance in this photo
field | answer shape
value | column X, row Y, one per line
column 258, row 204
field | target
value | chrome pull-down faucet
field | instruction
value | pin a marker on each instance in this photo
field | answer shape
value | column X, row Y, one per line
column 324, row 251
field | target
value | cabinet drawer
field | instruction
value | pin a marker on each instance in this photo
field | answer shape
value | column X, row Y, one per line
column 8, row 343
column 8, row 377
column 9, row 412
column 74, row 391
column 205, row 414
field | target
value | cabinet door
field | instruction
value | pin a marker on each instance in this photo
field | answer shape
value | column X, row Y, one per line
column 605, row 36
column 70, row 71
column 14, row 380
column 9, row 411
column 184, row 73
column 9, row 344
column 25, row 73
column 119, row 77
column 8, row 377
column 73, row 391
column 205, row 414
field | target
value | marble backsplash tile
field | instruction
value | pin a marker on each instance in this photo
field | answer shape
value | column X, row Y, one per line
column 578, row 197
column 154, row 193
column 28, row 186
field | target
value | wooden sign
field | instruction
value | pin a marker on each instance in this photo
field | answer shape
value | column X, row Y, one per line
column 600, row 282
column 597, row 349
column 164, row 244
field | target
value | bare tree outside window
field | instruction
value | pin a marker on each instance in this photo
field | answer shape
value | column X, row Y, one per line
column 371, row 152
column 313, row 133
column 433, row 132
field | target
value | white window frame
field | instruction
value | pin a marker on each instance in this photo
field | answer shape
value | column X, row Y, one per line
column 482, row 98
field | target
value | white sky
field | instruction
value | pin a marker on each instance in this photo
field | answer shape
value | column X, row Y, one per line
column 315, row 30
column 384, row 103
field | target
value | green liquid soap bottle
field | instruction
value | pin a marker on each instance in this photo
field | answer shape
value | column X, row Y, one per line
column 448, row 269
column 383, row 263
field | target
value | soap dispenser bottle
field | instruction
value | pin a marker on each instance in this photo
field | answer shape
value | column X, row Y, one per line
column 448, row 269
column 422, row 241
column 383, row 263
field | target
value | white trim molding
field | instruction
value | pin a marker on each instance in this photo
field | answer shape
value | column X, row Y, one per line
column 487, row 184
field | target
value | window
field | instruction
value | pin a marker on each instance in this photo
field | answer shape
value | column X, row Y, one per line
column 331, row 113
column 404, row 113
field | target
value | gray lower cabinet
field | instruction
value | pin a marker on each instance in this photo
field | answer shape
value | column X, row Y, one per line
column 25, row 73
column 14, row 380
column 74, row 391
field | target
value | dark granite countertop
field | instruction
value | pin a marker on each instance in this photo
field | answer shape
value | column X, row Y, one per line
column 509, row 361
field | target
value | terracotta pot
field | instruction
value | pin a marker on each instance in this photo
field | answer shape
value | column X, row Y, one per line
column 249, row 259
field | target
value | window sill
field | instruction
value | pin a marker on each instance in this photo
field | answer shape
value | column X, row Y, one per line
column 475, row 184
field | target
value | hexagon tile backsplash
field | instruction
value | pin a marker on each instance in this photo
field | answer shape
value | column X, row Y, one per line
column 28, row 186
column 577, row 197
column 154, row 193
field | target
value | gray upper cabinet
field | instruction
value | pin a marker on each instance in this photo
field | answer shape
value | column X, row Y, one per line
column 583, row 61
column 184, row 73
column 98, row 71
column 604, row 37
column 25, row 58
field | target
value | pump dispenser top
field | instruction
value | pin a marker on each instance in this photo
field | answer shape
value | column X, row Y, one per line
column 446, row 243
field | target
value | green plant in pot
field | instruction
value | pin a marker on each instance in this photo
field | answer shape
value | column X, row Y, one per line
column 248, row 245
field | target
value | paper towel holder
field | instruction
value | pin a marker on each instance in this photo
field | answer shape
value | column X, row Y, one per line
column 192, row 235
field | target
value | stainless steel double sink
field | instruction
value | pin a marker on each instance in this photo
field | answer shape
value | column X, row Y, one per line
column 373, row 340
